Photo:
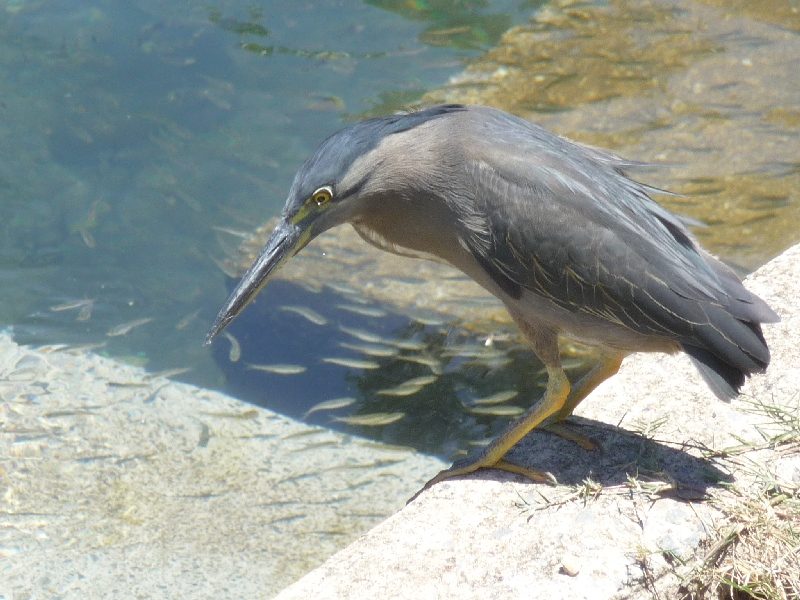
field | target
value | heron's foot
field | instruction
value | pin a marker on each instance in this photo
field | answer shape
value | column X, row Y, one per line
column 465, row 466
column 492, row 456
column 566, row 432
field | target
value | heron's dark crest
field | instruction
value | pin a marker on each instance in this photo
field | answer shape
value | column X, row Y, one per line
column 334, row 157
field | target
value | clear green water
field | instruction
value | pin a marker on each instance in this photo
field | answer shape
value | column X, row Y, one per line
column 131, row 129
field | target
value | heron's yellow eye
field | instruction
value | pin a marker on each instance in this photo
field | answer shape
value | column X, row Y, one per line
column 322, row 195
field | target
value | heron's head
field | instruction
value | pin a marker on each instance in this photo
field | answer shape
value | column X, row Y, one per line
column 332, row 187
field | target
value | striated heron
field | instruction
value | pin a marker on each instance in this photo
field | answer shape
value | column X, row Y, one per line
column 555, row 229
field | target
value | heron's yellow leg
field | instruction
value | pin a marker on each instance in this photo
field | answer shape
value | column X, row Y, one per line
column 564, row 431
column 607, row 367
column 492, row 455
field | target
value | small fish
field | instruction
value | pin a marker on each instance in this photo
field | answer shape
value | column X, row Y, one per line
column 205, row 435
column 498, row 411
column 357, row 299
column 85, row 314
column 407, row 388
column 167, row 373
column 226, row 268
column 310, row 286
column 479, row 443
column 365, row 311
column 364, row 336
column 429, row 320
column 308, row 314
column 371, row 349
column 342, row 288
column 71, row 305
column 189, row 200
column 579, row 362
column 372, row 419
column 477, row 352
column 51, row 348
column 329, row 55
column 569, row 364
column 352, row 363
column 410, row 344
column 87, row 237
column 449, row 30
column 422, row 359
column 247, row 414
column 151, row 395
column 497, row 398
column 125, row 328
column 404, row 389
column 233, row 232
column 184, row 322
column 86, row 347
column 496, row 337
column 306, row 432
column 91, row 217
column 125, row 384
column 317, row 446
column 279, row 369
column 336, row 101
column 235, row 352
column 424, row 380
column 498, row 363
column 329, row 405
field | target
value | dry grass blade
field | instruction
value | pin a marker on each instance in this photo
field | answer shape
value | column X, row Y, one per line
column 757, row 553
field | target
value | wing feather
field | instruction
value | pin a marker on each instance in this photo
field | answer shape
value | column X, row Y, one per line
column 564, row 222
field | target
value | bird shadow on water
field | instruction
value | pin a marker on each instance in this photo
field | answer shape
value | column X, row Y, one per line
column 438, row 419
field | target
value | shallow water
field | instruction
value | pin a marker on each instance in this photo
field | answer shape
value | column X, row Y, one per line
column 705, row 90
column 140, row 143
column 136, row 135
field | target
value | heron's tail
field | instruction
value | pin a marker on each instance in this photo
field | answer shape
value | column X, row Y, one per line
column 732, row 344
column 726, row 377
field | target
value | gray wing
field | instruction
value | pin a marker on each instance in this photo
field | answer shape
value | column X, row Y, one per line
column 563, row 221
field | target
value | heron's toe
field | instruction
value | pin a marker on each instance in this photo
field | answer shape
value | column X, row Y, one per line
column 565, row 431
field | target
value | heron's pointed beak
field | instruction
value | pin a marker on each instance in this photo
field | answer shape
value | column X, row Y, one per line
column 286, row 240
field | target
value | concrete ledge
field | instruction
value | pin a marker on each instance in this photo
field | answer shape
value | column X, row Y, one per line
column 620, row 518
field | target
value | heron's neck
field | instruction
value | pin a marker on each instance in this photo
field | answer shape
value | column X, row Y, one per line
column 414, row 227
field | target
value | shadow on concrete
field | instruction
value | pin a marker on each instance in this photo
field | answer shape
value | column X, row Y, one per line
column 620, row 456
